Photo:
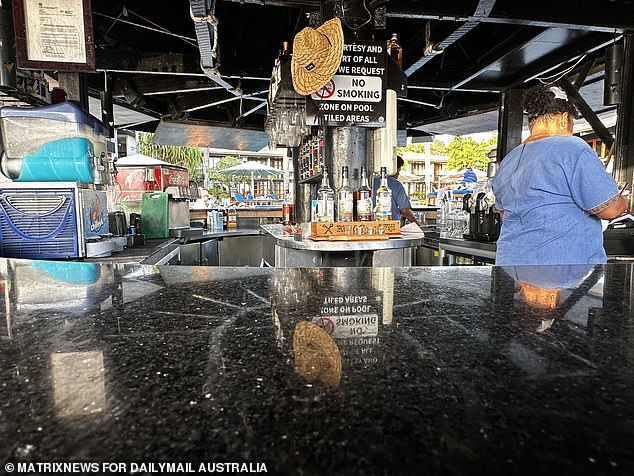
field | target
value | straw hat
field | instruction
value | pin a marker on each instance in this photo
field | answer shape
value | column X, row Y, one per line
column 317, row 54
column 317, row 357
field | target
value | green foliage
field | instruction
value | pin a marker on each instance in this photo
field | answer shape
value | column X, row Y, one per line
column 218, row 192
column 465, row 152
column 438, row 147
column 420, row 148
column 188, row 157
column 224, row 163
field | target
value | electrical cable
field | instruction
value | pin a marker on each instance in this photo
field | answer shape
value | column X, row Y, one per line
column 186, row 39
column 546, row 79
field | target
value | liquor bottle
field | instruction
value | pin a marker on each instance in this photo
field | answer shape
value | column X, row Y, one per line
column 319, row 147
column 232, row 218
column 383, row 207
column 395, row 51
column 285, row 54
column 363, row 199
column 311, row 158
column 225, row 218
column 288, row 210
column 345, row 201
column 325, row 199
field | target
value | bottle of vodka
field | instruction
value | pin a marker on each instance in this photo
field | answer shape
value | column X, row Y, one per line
column 345, row 200
column 325, row 199
column 363, row 199
column 383, row 206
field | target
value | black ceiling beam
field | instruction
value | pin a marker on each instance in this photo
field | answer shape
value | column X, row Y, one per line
column 587, row 112
column 585, row 69
column 432, row 115
column 483, row 9
column 574, row 14
column 187, row 103
column 158, row 85
column 450, row 79
column 135, row 61
column 514, row 42
column 563, row 55
column 430, row 107
column 448, row 87
column 446, row 42
column 585, row 14
column 280, row 3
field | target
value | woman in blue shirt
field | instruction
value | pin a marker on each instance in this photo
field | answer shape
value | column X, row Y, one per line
column 552, row 190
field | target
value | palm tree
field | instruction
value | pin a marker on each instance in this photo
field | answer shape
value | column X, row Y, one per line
column 188, row 157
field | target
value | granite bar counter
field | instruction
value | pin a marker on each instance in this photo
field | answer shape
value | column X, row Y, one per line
column 314, row 371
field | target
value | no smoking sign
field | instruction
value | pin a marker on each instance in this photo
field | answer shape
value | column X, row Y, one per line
column 327, row 91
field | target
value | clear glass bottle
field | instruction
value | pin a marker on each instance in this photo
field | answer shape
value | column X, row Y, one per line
column 363, row 199
column 345, row 200
column 325, row 199
column 383, row 206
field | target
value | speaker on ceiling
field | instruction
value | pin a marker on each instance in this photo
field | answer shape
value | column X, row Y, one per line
column 612, row 77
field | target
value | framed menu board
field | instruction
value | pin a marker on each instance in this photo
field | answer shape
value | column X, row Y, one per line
column 54, row 35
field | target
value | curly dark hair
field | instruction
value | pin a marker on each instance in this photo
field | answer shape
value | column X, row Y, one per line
column 540, row 102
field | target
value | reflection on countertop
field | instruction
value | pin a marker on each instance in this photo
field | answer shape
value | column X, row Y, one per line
column 447, row 370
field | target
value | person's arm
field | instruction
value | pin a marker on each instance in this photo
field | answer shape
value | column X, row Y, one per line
column 593, row 189
column 401, row 199
column 407, row 213
column 616, row 207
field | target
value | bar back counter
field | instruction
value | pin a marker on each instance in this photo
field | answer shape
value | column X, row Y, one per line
column 270, row 245
column 349, row 370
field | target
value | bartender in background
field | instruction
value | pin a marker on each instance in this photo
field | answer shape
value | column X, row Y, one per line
column 400, row 200
column 552, row 190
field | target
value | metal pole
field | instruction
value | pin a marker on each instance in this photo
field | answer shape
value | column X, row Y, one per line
column 510, row 122
column 624, row 161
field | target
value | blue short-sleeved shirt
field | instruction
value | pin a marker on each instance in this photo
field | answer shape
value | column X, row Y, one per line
column 400, row 199
column 547, row 189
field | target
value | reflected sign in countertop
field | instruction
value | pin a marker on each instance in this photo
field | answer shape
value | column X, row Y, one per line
column 447, row 370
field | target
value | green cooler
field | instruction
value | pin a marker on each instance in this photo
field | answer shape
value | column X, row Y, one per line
column 154, row 215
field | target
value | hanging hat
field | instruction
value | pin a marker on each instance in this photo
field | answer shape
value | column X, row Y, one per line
column 317, row 54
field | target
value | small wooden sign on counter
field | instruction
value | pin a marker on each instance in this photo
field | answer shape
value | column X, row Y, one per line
column 355, row 230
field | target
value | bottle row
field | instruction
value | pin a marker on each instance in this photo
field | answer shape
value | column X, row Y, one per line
column 348, row 205
column 222, row 219
column 311, row 157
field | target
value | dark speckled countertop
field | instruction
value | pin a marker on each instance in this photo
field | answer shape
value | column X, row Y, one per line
column 425, row 371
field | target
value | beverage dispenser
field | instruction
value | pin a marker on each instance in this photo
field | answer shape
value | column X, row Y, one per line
column 484, row 220
column 60, row 143
column 55, row 205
